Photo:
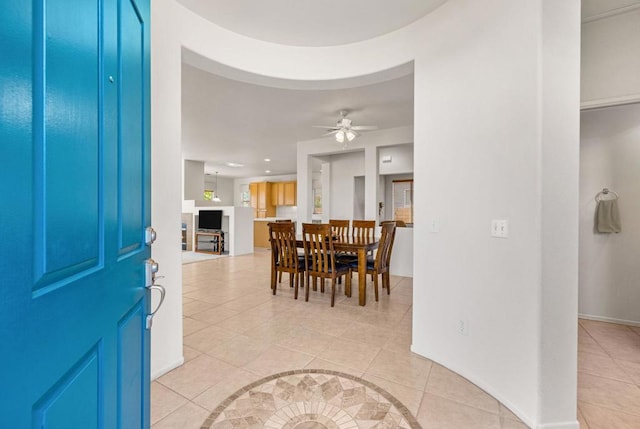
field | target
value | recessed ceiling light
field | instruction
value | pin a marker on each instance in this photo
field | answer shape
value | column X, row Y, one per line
column 234, row 164
column 267, row 160
column 267, row 171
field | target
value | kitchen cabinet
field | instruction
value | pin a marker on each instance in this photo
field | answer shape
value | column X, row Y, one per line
column 261, row 234
column 253, row 196
column 289, row 194
column 261, row 200
column 283, row 194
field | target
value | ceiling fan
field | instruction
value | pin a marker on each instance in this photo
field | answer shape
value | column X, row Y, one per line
column 344, row 129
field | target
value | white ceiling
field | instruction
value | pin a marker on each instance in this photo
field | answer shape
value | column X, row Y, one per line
column 225, row 120
column 312, row 22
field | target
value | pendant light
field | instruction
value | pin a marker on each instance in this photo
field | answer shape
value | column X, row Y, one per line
column 216, row 198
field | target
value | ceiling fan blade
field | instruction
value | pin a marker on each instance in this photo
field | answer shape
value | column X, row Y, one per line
column 364, row 127
column 330, row 133
column 326, row 127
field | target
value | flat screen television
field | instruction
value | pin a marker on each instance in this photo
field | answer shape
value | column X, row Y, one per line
column 210, row 219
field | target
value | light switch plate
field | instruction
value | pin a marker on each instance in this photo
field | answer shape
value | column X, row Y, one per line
column 500, row 228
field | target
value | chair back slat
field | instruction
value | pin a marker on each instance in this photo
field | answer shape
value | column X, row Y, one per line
column 387, row 237
column 339, row 227
column 283, row 244
column 318, row 248
column 363, row 229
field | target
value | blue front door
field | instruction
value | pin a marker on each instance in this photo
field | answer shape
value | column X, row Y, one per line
column 74, row 205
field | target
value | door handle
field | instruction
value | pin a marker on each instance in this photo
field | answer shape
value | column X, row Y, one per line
column 162, row 290
column 151, row 269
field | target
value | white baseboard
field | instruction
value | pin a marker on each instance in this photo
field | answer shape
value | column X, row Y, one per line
column 609, row 102
column 564, row 425
column 608, row 319
column 166, row 369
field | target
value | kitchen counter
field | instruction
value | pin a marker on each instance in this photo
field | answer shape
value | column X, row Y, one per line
column 269, row 219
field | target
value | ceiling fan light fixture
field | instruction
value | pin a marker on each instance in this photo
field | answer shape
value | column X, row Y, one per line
column 340, row 136
column 350, row 135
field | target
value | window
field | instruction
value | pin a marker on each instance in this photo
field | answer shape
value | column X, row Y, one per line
column 403, row 201
column 317, row 196
column 317, row 201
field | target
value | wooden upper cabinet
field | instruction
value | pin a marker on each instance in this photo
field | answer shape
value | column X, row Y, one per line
column 253, row 193
column 289, row 194
column 277, row 194
column 262, row 195
column 265, row 196
column 283, row 193
column 261, row 199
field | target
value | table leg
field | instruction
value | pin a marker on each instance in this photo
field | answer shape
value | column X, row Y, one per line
column 362, row 276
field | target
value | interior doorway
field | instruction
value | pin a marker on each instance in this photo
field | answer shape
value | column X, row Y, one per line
column 608, row 270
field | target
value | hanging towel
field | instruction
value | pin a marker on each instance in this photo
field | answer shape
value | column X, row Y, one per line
column 607, row 216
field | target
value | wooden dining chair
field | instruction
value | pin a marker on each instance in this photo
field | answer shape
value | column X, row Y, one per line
column 380, row 264
column 320, row 258
column 278, row 221
column 339, row 227
column 284, row 255
column 363, row 228
column 340, row 230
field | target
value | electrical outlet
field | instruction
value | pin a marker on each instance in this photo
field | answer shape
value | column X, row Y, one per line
column 435, row 225
column 463, row 327
column 500, row 228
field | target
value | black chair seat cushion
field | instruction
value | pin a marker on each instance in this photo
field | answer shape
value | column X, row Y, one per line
column 300, row 263
column 370, row 264
column 346, row 258
column 341, row 268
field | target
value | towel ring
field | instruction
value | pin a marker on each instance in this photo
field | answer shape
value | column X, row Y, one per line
column 606, row 191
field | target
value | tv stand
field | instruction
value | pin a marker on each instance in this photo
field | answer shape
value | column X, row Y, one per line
column 216, row 238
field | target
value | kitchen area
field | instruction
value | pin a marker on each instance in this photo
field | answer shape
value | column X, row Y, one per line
column 271, row 201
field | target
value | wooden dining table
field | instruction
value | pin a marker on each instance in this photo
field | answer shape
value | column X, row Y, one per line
column 361, row 246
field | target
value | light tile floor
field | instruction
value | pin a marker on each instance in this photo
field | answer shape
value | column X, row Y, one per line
column 608, row 375
column 236, row 332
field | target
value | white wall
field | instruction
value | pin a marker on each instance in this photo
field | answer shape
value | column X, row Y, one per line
column 609, row 269
column 224, row 189
column 193, row 180
column 496, row 135
column 166, row 183
column 610, row 60
column 344, row 168
column 401, row 159
column 342, row 181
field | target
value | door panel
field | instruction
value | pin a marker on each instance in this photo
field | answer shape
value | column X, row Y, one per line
column 66, row 152
column 131, row 93
column 130, row 369
column 74, row 176
column 78, row 389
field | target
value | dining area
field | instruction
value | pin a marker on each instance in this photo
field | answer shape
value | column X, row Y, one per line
column 327, row 255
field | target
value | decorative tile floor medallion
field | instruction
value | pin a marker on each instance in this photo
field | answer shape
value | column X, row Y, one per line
column 311, row 399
